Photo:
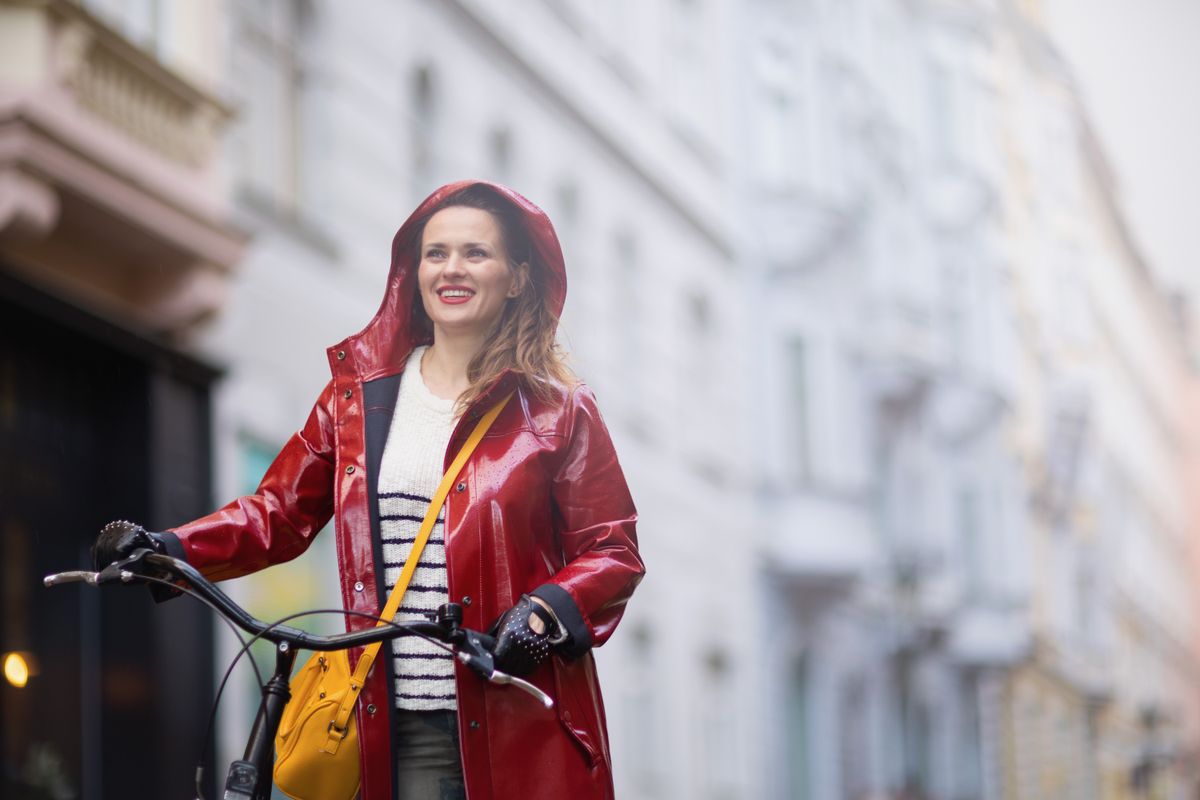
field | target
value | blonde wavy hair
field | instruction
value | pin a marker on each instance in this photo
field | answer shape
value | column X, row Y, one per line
column 524, row 337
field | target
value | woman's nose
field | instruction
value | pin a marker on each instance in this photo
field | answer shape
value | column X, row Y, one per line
column 455, row 265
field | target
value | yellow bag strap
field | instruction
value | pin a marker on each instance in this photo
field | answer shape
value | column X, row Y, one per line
column 337, row 730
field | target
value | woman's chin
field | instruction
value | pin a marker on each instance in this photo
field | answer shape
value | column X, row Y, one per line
column 461, row 328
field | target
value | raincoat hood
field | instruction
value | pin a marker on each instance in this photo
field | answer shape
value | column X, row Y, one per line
column 380, row 348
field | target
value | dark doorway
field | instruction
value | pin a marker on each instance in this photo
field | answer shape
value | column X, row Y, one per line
column 96, row 424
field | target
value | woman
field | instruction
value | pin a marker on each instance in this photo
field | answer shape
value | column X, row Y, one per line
column 542, row 509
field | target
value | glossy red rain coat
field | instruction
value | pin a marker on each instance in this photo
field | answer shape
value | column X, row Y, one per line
column 542, row 501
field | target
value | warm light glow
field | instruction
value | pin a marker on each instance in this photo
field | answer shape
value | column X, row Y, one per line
column 16, row 669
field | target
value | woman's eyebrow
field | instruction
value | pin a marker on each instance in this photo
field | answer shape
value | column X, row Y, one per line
column 464, row 244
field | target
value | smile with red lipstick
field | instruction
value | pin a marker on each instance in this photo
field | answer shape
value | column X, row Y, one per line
column 455, row 295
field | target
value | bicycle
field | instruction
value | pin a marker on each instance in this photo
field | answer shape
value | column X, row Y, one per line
column 249, row 778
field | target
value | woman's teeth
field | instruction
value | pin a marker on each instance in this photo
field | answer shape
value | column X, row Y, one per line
column 456, row 293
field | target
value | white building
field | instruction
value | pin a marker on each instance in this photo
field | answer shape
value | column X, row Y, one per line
column 969, row 380
column 899, row 407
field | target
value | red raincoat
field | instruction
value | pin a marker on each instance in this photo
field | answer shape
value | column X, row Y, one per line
column 541, row 506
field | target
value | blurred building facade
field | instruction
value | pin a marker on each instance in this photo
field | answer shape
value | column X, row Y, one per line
column 903, row 414
column 978, row 514
column 115, row 243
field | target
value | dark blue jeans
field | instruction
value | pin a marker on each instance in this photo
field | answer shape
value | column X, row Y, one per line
column 428, row 762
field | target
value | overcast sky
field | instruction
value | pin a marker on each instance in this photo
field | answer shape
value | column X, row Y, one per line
column 1138, row 66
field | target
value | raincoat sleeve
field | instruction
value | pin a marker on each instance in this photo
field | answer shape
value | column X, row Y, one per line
column 597, row 531
column 278, row 522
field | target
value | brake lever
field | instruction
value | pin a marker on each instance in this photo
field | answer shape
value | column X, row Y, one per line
column 475, row 652
column 72, row 576
column 504, row 678
column 116, row 571
column 123, row 570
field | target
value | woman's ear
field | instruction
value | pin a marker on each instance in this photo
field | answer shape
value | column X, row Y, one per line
column 520, row 278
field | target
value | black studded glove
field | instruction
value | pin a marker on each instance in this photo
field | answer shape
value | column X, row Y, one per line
column 121, row 537
column 518, row 649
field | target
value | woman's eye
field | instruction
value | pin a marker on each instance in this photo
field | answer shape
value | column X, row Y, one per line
column 433, row 253
column 476, row 252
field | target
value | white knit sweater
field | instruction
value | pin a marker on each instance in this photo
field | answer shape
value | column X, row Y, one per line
column 408, row 477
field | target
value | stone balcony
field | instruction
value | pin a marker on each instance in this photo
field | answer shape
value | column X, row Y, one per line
column 798, row 228
column 109, row 192
column 989, row 634
column 904, row 348
column 817, row 545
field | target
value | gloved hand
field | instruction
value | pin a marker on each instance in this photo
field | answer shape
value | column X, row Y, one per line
column 519, row 648
column 119, row 538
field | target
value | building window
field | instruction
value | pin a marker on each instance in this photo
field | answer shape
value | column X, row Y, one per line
column 271, row 84
column 700, row 314
column 796, row 739
column 1085, row 596
column 564, row 208
column 854, row 739
column 500, row 153
column 943, row 116
column 423, row 130
column 641, row 715
column 918, row 748
column 968, row 764
column 833, row 130
column 957, row 311
column 620, row 43
column 968, row 522
column 718, row 730
column 567, row 202
column 779, row 130
column 629, row 364
column 567, row 213
column 687, row 68
column 796, row 408
column 696, row 353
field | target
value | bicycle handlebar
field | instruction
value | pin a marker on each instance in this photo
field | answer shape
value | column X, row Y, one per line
column 470, row 647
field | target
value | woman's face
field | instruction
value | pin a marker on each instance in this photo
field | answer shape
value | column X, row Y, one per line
column 464, row 278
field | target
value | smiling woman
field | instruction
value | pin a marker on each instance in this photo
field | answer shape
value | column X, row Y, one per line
column 536, row 540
